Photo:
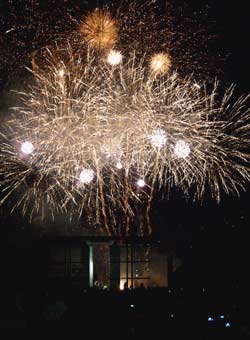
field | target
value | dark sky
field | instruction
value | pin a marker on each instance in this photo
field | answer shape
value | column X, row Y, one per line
column 28, row 25
column 217, row 241
column 221, row 28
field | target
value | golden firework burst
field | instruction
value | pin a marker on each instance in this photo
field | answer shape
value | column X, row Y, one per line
column 160, row 63
column 99, row 29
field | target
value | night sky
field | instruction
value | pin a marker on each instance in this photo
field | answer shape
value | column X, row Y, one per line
column 211, row 239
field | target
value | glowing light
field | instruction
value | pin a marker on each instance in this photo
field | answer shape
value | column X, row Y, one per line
column 227, row 325
column 119, row 165
column 158, row 138
column 197, row 86
column 86, row 176
column 61, row 73
column 210, row 319
column 27, row 148
column 141, row 183
column 99, row 29
column 114, row 57
column 160, row 63
column 182, row 149
column 222, row 316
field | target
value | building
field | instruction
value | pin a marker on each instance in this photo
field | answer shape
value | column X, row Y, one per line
column 106, row 262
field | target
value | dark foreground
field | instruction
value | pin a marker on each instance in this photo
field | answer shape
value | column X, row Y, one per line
column 158, row 312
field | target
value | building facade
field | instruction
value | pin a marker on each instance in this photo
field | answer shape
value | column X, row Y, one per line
column 106, row 262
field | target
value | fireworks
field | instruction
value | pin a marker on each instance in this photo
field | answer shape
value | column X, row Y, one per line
column 181, row 149
column 114, row 58
column 141, row 183
column 158, row 138
column 119, row 165
column 86, row 176
column 102, row 140
column 160, row 63
column 27, row 148
column 99, row 29
column 61, row 73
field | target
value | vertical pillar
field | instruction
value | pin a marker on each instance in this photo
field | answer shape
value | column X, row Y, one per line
column 91, row 265
column 132, row 264
column 85, row 265
column 127, row 264
column 114, row 266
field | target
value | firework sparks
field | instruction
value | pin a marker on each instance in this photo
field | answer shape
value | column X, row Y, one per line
column 86, row 176
column 119, row 165
column 141, row 183
column 108, row 138
column 111, row 124
column 61, row 73
column 114, row 58
column 158, row 138
column 99, row 29
column 27, row 148
column 160, row 63
column 182, row 149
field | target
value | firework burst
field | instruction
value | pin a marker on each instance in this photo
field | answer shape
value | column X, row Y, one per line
column 99, row 140
column 99, row 29
column 160, row 63
column 114, row 58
